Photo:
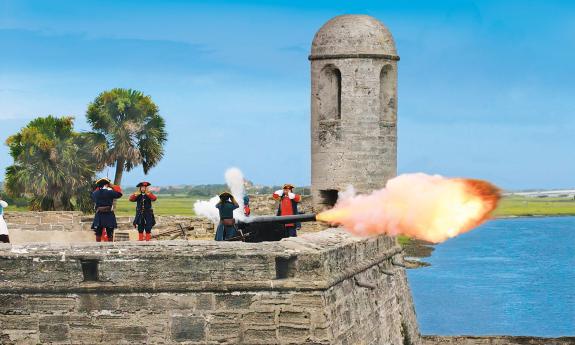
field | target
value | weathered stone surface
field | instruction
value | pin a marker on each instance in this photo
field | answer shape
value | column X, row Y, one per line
column 54, row 333
column 353, row 34
column 353, row 106
column 233, row 301
column 187, row 328
column 69, row 226
column 260, row 318
column 259, row 336
column 204, row 292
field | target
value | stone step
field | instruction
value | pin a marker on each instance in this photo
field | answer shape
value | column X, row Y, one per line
column 121, row 236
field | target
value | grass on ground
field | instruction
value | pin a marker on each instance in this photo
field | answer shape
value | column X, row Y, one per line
column 164, row 206
column 529, row 206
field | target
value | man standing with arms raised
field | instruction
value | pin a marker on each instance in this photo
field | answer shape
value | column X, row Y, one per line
column 105, row 218
column 227, row 227
column 144, row 219
column 287, row 207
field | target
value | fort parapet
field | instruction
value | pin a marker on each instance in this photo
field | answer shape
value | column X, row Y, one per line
column 73, row 226
column 326, row 288
column 70, row 226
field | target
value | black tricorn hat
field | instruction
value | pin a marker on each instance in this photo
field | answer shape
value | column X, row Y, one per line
column 103, row 181
column 145, row 184
column 225, row 195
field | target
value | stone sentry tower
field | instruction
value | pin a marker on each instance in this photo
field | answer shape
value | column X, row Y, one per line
column 353, row 107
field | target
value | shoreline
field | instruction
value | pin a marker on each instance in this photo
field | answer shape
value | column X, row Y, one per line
column 533, row 216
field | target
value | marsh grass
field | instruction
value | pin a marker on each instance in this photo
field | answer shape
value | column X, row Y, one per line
column 164, row 206
column 529, row 206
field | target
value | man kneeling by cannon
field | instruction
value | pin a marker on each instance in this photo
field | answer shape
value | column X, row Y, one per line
column 227, row 227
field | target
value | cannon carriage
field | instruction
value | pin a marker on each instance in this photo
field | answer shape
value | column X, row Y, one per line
column 268, row 228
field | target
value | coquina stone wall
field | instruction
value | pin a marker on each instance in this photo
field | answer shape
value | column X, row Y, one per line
column 353, row 106
column 76, row 221
column 69, row 226
column 326, row 288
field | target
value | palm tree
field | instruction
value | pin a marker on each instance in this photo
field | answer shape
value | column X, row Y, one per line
column 129, row 122
column 53, row 165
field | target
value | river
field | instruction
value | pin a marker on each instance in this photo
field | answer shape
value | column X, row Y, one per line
column 509, row 276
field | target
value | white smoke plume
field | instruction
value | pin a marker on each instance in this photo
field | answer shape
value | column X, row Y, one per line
column 235, row 181
column 208, row 209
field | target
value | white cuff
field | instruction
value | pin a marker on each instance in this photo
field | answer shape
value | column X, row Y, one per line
column 279, row 192
column 291, row 195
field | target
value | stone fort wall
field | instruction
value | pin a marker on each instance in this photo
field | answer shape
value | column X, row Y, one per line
column 326, row 288
column 71, row 226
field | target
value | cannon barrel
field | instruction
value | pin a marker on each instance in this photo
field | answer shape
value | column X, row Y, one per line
column 296, row 218
column 268, row 228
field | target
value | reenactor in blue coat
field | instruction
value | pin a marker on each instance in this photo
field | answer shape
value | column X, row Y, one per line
column 227, row 227
column 105, row 218
column 144, row 219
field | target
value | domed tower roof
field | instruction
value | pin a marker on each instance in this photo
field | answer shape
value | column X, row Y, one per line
column 353, row 35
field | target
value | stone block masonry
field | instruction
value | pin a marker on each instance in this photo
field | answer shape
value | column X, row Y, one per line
column 326, row 288
column 353, row 107
column 70, row 226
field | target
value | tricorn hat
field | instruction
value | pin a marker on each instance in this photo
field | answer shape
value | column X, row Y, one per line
column 288, row 186
column 103, row 181
column 225, row 195
column 144, row 183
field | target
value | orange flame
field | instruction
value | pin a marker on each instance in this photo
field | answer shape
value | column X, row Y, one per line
column 430, row 208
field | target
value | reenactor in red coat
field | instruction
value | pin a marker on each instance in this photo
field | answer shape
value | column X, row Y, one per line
column 288, row 206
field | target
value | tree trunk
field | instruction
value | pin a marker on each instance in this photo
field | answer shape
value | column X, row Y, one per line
column 118, row 176
column 55, row 202
column 119, row 171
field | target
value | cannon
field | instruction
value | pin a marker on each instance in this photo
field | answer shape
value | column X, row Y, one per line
column 267, row 228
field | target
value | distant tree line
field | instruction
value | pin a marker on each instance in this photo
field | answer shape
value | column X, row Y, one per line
column 210, row 190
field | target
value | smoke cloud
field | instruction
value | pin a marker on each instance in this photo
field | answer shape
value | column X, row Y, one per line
column 431, row 208
column 236, row 184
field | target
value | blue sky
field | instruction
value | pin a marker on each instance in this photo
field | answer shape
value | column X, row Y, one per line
column 486, row 87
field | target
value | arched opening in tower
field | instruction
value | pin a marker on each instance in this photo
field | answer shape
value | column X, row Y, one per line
column 330, row 94
column 328, row 196
column 386, row 98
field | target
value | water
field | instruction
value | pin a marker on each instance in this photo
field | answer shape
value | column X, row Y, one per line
column 510, row 276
